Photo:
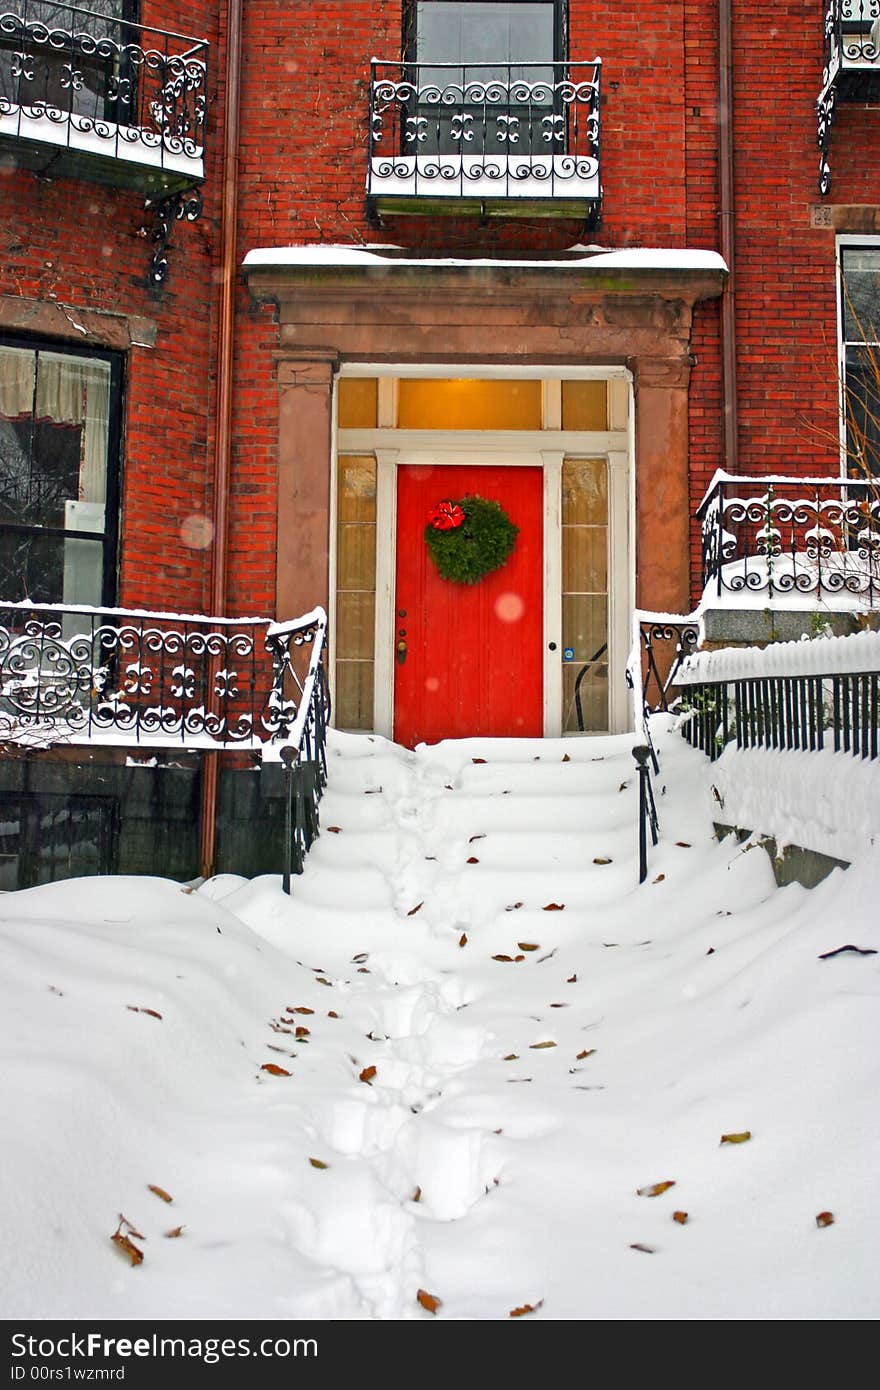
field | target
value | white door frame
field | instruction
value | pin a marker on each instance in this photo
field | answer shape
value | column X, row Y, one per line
column 544, row 449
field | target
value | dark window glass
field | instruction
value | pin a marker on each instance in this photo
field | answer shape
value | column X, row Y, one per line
column 59, row 441
column 860, row 318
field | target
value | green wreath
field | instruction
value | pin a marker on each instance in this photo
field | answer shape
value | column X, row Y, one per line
column 469, row 538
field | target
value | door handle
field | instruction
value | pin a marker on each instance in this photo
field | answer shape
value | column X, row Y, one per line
column 401, row 652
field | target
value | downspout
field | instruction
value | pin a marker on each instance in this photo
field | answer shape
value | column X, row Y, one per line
column 223, row 400
column 727, row 233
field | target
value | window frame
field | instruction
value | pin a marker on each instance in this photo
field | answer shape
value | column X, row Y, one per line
column 845, row 242
column 109, row 538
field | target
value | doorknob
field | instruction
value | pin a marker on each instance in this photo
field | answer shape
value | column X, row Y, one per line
column 401, row 652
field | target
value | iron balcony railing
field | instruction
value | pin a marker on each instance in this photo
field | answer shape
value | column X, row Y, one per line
column 851, row 67
column 163, row 680
column 485, row 136
column 102, row 97
column 777, row 536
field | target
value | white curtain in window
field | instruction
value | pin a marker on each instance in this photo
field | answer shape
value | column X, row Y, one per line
column 17, row 367
column 76, row 391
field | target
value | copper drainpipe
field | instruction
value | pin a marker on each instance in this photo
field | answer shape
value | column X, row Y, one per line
column 727, row 233
column 223, row 411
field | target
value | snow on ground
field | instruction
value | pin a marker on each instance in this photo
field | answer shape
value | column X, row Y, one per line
column 534, row 1065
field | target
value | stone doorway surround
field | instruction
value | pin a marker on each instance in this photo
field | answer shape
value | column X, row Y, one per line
column 339, row 304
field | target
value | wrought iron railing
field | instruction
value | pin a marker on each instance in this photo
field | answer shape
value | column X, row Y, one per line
column 851, row 67
column 304, row 753
column 72, row 675
column 76, row 79
column 661, row 641
column 807, row 712
column 485, row 131
column 774, row 536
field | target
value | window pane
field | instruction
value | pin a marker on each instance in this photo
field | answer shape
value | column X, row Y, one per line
column 354, row 695
column 861, row 294
column 469, row 405
column 584, row 405
column 450, row 32
column 357, row 400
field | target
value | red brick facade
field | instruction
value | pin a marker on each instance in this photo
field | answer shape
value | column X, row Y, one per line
column 302, row 165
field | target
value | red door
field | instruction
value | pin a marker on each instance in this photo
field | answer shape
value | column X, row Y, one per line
column 473, row 660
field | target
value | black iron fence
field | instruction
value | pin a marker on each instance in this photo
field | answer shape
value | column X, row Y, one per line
column 83, row 79
column 839, row 712
column 485, row 131
column 776, row 536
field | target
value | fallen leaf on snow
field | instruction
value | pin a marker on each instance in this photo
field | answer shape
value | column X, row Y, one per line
column 655, row 1189
column 160, row 1192
column 274, row 1070
column 588, row 1052
column 302, row 1031
column 680, row 1216
column 334, row 829
column 507, row 958
column 360, row 958
column 318, row 1163
column 528, row 1307
column 684, row 844
column 319, row 980
column 174, row 1233
column 428, row 1300
column 473, row 860
column 332, row 1014
column 511, row 1057
column 514, row 907
column 137, row 1009
column 572, row 980
column 413, row 910
column 462, row 940
column 367, row 1074
column 739, row 1138
column 554, row 907
column 535, row 1047
column 478, row 760
column 566, row 757
column 601, row 859
column 476, row 837
column 301, row 1009
column 528, row 946
column 825, row 1218
column 128, row 1247
column 645, row 1249
column 658, row 879
column 417, row 1195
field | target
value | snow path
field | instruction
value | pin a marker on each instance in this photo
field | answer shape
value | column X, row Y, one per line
column 547, row 1037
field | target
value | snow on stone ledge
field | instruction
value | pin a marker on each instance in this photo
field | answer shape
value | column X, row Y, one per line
column 820, row 800
column 368, row 257
column 818, row 656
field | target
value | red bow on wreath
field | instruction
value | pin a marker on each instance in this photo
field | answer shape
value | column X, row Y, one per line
column 446, row 516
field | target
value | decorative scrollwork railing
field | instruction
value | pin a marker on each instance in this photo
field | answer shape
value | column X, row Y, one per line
column 135, row 678
column 300, row 689
column 485, row 131
column 851, row 67
column 81, row 80
column 775, row 536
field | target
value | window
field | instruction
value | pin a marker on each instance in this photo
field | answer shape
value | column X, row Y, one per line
column 508, row 43
column 59, row 452
column 860, row 353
